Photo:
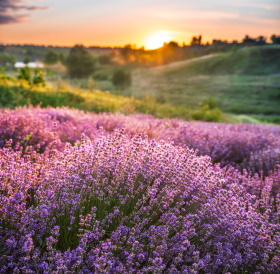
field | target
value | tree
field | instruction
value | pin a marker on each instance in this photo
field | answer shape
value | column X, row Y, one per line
column 127, row 53
column 27, row 59
column 196, row 41
column 249, row 40
column 104, row 59
column 173, row 45
column 79, row 62
column 51, row 57
column 62, row 58
column 275, row 39
column 170, row 51
column 121, row 78
column 7, row 60
column 199, row 39
column 261, row 40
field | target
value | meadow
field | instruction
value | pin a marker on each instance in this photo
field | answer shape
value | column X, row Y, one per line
column 244, row 82
column 57, row 93
column 113, row 193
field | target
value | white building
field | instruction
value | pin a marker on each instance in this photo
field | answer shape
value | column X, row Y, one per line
column 19, row 65
column 30, row 65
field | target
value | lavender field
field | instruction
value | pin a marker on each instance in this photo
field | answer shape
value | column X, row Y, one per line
column 109, row 193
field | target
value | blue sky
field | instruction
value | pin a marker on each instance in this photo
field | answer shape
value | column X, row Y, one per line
column 108, row 22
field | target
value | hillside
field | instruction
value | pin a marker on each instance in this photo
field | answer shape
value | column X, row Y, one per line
column 245, row 61
column 245, row 81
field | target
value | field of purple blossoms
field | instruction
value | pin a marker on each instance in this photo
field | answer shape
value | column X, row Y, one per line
column 108, row 193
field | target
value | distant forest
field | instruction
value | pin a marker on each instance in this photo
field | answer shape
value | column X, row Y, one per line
column 169, row 52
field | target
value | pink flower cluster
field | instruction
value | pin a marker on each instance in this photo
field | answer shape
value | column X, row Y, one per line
column 107, row 193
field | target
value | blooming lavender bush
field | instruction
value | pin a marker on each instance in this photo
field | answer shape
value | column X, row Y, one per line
column 114, row 201
column 255, row 148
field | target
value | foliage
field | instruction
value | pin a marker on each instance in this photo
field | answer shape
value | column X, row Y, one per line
column 104, row 60
column 209, row 111
column 25, row 74
column 261, row 40
column 79, row 62
column 51, row 57
column 170, row 52
column 206, row 113
column 7, row 97
column 101, row 76
column 243, row 146
column 130, row 54
column 245, row 81
column 246, row 61
column 115, row 201
column 38, row 77
column 23, row 93
column 27, row 59
column 196, row 41
column 121, row 78
column 32, row 76
column 275, row 39
column 127, row 53
column 7, row 60
column 62, row 58
column 22, row 96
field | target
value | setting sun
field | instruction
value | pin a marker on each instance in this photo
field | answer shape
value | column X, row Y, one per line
column 157, row 39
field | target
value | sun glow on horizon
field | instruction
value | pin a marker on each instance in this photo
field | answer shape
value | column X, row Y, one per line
column 157, row 39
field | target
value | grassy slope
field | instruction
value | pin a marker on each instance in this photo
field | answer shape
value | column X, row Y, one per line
column 15, row 93
column 245, row 82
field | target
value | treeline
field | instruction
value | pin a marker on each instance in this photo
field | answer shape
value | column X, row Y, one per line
column 173, row 51
column 80, row 61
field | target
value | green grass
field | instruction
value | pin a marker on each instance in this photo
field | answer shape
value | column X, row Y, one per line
column 263, row 60
column 101, row 79
column 244, row 82
column 14, row 93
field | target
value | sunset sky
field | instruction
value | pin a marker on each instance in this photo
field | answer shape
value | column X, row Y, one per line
column 146, row 23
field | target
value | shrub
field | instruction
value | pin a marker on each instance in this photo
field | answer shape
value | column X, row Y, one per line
column 101, row 76
column 244, row 146
column 7, row 60
column 120, row 204
column 7, row 97
column 27, row 59
column 38, row 78
column 22, row 96
column 25, row 74
column 32, row 76
column 79, row 62
column 121, row 78
column 104, row 60
column 206, row 113
column 51, row 57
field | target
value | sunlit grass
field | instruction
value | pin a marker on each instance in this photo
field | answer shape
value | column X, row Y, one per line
column 16, row 93
column 226, row 78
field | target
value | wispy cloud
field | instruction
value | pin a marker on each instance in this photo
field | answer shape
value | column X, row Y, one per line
column 211, row 15
column 9, row 11
column 265, row 6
